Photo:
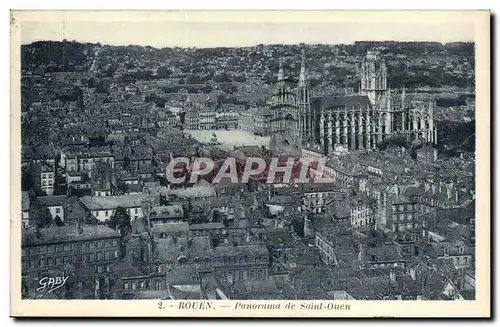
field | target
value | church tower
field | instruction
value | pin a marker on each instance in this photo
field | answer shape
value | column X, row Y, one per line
column 373, row 77
column 285, row 130
column 304, row 103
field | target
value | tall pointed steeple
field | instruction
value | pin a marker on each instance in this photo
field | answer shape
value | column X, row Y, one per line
column 403, row 97
column 281, row 74
column 303, row 72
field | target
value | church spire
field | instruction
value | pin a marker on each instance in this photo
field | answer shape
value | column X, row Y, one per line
column 403, row 97
column 281, row 74
column 302, row 77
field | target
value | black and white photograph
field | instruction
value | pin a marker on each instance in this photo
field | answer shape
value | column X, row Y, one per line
column 190, row 162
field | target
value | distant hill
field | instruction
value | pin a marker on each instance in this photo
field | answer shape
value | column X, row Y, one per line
column 56, row 56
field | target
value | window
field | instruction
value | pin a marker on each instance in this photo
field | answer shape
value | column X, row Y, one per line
column 134, row 285
column 67, row 247
column 75, row 258
column 58, row 210
column 125, row 286
column 42, row 262
column 108, row 268
column 92, row 257
column 117, row 254
column 252, row 274
column 65, row 259
column 50, row 261
column 99, row 256
column 260, row 274
column 100, row 244
column 58, row 260
column 445, row 251
column 136, row 211
column 43, row 249
column 240, row 275
column 100, row 269
column 115, row 242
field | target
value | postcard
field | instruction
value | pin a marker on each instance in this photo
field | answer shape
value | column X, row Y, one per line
column 250, row 164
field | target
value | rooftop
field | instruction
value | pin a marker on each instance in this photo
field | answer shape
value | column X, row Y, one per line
column 66, row 234
column 112, row 202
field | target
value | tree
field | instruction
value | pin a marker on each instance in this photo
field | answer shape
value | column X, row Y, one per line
column 120, row 220
column 163, row 72
column 42, row 215
column 27, row 182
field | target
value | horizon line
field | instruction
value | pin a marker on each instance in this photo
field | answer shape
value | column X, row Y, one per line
column 240, row 46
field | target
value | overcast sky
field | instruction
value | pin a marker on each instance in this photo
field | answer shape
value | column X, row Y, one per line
column 183, row 30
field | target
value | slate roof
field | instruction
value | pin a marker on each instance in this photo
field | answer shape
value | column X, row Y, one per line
column 206, row 226
column 384, row 253
column 65, row 234
column 53, row 200
column 340, row 102
column 201, row 98
column 168, row 249
column 243, row 249
column 112, row 202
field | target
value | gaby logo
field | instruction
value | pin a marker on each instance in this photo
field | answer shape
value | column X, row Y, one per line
column 51, row 283
column 270, row 170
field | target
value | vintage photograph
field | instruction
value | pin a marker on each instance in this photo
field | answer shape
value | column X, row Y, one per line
column 209, row 160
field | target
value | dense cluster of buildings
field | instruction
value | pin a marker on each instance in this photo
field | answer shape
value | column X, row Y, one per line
column 392, row 224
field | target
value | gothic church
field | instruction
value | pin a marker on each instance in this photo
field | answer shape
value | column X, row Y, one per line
column 347, row 122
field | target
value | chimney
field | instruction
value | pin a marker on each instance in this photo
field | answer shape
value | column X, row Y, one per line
column 413, row 273
column 37, row 232
column 449, row 190
column 79, row 228
column 392, row 275
column 362, row 253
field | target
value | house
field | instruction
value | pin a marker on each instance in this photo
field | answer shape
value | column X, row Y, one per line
column 316, row 196
column 166, row 214
column 25, row 209
column 47, row 178
column 103, row 207
column 78, row 252
column 384, row 256
column 83, row 159
column 56, row 204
